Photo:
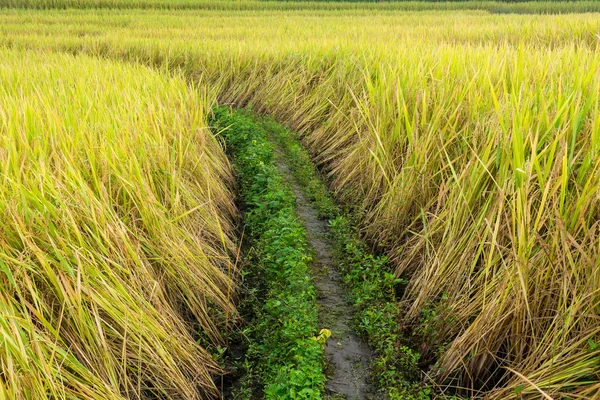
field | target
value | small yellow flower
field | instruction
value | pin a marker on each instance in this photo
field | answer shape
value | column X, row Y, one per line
column 324, row 334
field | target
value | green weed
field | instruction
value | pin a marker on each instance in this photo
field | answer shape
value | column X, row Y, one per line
column 285, row 357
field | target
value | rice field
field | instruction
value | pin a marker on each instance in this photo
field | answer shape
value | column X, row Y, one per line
column 114, row 231
column 465, row 138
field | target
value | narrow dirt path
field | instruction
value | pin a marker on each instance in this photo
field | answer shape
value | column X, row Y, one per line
column 347, row 356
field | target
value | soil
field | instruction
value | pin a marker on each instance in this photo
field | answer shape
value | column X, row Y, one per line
column 346, row 354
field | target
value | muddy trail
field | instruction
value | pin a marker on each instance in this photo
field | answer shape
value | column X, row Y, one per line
column 347, row 356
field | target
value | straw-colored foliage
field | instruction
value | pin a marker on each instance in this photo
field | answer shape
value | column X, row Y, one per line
column 115, row 219
column 468, row 142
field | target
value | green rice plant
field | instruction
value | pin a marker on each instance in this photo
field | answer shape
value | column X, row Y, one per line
column 115, row 232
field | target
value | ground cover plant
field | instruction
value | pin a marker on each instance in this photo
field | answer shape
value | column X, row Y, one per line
column 373, row 287
column 285, row 355
column 465, row 141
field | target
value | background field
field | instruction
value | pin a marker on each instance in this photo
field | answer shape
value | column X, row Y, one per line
column 515, row 6
column 467, row 141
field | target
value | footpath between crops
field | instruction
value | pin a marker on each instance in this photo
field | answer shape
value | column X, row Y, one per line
column 321, row 310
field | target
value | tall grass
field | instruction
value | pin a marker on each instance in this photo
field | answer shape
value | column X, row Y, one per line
column 115, row 224
column 468, row 143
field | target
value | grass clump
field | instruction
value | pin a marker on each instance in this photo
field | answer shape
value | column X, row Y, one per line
column 284, row 359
